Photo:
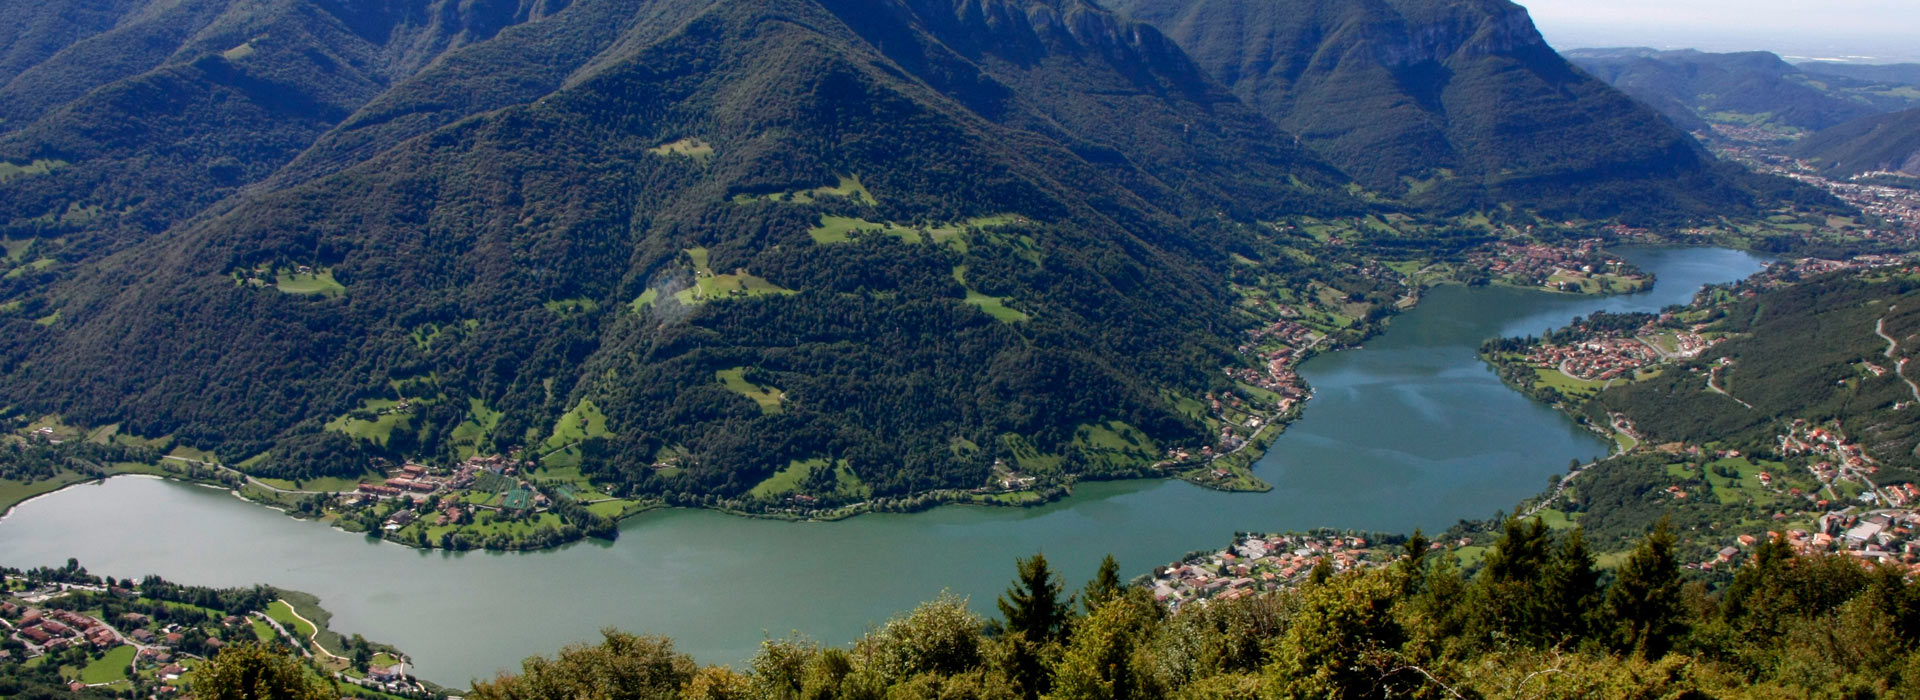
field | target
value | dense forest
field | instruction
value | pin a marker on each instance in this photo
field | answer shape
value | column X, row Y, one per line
column 1535, row 619
column 602, row 254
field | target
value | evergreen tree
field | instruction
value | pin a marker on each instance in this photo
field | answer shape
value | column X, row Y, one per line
column 1643, row 605
column 1032, row 605
column 1105, row 585
column 1570, row 589
column 1413, row 561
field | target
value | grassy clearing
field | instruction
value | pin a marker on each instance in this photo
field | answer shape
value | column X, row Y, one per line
column 1028, row 457
column 569, row 308
column 708, row 286
column 582, row 423
column 849, row 187
column 1567, row 386
column 474, row 432
column 841, row 229
column 13, row 492
column 789, row 479
column 35, row 266
column 110, row 667
column 690, row 147
column 16, row 248
column 283, row 613
column 1744, row 485
column 767, row 397
column 319, row 282
column 993, row 306
column 325, row 483
column 375, row 421
column 40, row 166
column 645, row 301
column 1557, row 519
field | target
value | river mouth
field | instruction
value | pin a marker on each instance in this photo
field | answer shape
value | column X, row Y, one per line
column 1411, row 431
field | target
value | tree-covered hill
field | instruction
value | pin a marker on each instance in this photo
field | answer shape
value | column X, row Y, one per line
column 1451, row 103
column 1753, row 89
column 130, row 117
column 1808, row 352
column 688, row 245
column 1880, row 143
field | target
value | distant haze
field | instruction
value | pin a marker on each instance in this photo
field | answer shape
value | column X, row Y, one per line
column 1860, row 30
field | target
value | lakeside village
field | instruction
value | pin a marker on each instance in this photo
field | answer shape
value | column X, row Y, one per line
column 141, row 639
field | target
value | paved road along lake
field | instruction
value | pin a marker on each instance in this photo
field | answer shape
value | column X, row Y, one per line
column 1411, row 431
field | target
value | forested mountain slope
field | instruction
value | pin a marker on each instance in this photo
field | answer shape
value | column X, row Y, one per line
column 1450, row 102
column 626, row 234
column 1880, row 143
column 130, row 117
column 1753, row 89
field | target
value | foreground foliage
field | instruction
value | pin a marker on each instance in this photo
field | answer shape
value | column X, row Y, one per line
column 1536, row 620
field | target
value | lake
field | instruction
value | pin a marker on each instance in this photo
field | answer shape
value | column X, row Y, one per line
column 1410, row 431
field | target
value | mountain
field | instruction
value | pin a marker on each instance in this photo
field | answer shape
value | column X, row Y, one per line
column 1880, row 143
column 1752, row 89
column 1456, row 102
column 1895, row 73
column 681, row 245
column 132, row 116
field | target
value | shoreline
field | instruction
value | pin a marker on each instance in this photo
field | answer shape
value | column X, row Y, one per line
column 1239, row 463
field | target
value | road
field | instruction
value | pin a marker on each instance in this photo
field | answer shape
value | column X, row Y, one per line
column 1893, row 348
column 251, row 480
column 1713, row 382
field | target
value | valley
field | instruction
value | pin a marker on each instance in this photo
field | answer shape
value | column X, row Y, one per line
column 1462, row 445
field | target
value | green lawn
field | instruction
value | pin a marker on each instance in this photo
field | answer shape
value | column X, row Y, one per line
column 788, row 479
column 282, row 613
column 1568, row 386
column 319, row 282
column 369, row 423
column 767, row 397
column 110, row 667
column 324, row 483
column 13, row 492
column 585, row 421
column 263, row 631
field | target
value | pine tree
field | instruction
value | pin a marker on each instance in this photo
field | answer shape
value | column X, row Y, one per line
column 1032, row 605
column 1413, row 562
column 1644, row 602
column 1105, row 585
column 1570, row 589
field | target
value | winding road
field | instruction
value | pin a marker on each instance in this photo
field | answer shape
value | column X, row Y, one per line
column 1893, row 348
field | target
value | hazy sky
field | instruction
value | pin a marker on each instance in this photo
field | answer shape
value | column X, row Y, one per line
column 1885, row 29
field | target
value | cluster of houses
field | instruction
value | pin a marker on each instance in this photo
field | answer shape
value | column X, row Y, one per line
column 1277, row 361
column 1874, row 537
column 1536, row 264
column 1900, row 208
column 1843, row 458
column 1257, row 563
column 1595, row 359
column 44, row 631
